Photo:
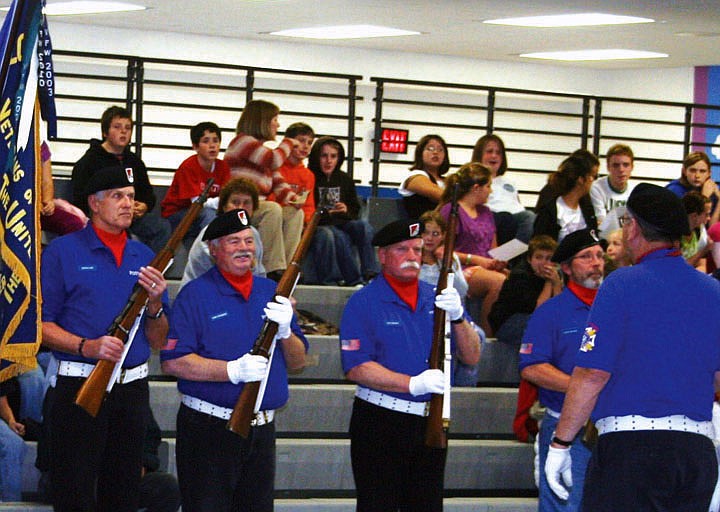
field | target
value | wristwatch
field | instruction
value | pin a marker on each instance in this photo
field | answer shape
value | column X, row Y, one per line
column 157, row 315
column 561, row 442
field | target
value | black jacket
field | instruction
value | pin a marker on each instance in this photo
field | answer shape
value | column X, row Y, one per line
column 96, row 158
column 338, row 184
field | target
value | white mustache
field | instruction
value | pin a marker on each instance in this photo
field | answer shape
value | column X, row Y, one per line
column 411, row 264
column 240, row 254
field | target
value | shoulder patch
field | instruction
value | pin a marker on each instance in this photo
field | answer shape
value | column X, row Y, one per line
column 351, row 345
column 588, row 339
column 526, row 348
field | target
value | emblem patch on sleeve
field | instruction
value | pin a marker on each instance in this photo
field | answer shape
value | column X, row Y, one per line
column 526, row 348
column 350, row 344
column 588, row 339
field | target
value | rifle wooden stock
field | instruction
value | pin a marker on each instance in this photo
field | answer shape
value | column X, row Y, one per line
column 91, row 394
column 437, row 426
column 244, row 412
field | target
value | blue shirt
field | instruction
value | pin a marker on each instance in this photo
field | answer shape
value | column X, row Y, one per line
column 378, row 326
column 213, row 320
column 677, row 188
column 553, row 336
column 84, row 289
column 655, row 328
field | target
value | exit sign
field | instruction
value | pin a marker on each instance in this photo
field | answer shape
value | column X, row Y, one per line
column 393, row 141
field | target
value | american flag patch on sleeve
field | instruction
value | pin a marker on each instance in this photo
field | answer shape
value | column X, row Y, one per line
column 526, row 348
column 353, row 344
column 170, row 345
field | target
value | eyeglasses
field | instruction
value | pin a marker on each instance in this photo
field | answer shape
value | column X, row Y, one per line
column 624, row 219
column 432, row 233
column 589, row 256
column 435, row 149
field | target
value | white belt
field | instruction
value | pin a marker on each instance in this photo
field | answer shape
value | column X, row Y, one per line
column 76, row 369
column 552, row 413
column 261, row 418
column 391, row 402
column 677, row 422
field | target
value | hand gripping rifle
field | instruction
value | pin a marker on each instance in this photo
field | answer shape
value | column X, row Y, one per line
column 438, row 421
column 93, row 391
column 247, row 404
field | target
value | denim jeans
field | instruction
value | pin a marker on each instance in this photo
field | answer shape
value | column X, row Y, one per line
column 152, row 230
column 12, row 453
column 205, row 217
column 320, row 265
column 548, row 501
column 32, row 394
column 361, row 234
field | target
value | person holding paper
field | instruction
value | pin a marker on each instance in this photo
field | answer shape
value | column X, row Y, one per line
column 342, row 229
column 476, row 234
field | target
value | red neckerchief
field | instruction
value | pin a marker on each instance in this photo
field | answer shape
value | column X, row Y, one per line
column 243, row 284
column 406, row 290
column 115, row 242
column 586, row 295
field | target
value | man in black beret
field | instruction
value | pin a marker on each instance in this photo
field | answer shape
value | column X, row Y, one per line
column 114, row 150
column 547, row 352
column 386, row 335
column 216, row 319
column 87, row 278
column 645, row 372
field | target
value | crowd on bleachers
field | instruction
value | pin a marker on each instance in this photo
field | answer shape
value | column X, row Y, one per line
column 279, row 192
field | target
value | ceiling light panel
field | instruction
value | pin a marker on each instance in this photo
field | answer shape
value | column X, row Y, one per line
column 587, row 19
column 587, row 55
column 344, row 32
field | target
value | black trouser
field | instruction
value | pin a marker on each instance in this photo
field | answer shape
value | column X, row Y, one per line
column 218, row 470
column 393, row 468
column 659, row 470
column 95, row 463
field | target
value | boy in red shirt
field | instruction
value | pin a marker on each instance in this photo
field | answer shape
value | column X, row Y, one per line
column 191, row 178
column 299, row 177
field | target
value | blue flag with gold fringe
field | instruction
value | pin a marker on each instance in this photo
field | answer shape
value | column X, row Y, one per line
column 26, row 76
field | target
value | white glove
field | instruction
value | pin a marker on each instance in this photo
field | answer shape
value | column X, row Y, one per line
column 212, row 202
column 280, row 311
column 558, row 469
column 248, row 368
column 429, row 381
column 449, row 300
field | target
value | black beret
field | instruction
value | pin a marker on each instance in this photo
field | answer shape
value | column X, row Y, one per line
column 398, row 231
column 659, row 207
column 108, row 178
column 574, row 243
column 226, row 224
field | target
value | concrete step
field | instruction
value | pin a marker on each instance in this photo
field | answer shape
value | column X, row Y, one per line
column 317, row 466
column 326, row 409
column 348, row 505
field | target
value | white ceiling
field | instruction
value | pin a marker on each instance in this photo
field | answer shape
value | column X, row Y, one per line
column 450, row 27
